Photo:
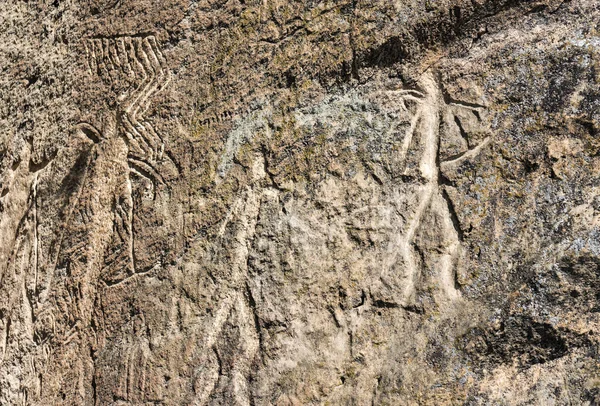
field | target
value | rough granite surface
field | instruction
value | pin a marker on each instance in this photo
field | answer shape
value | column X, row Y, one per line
column 302, row 202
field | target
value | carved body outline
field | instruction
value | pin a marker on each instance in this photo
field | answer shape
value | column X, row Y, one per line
column 131, row 57
column 426, row 121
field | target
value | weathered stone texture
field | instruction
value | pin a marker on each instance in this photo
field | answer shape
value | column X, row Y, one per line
column 259, row 202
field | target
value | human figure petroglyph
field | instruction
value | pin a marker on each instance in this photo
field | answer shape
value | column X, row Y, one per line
column 100, row 246
column 139, row 63
column 235, row 309
column 429, row 194
column 55, row 302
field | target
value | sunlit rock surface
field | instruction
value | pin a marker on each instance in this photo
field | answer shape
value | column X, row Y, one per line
column 254, row 202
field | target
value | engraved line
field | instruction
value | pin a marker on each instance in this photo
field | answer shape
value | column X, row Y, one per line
column 137, row 68
column 146, row 169
column 147, row 80
column 87, row 57
column 466, row 155
column 148, row 89
column 93, row 63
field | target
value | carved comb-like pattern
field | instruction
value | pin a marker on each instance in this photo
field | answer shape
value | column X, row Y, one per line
column 135, row 69
column 136, row 64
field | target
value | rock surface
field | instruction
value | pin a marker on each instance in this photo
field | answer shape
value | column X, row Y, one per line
column 265, row 202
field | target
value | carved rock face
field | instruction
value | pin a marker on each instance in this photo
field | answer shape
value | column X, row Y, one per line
column 259, row 203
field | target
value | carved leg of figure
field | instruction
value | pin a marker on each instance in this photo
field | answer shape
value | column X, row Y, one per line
column 85, row 266
column 407, row 249
column 428, row 129
column 249, row 346
column 241, row 224
column 450, row 245
column 119, row 264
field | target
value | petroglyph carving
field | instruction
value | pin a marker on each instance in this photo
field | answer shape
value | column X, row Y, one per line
column 234, row 309
column 54, row 304
column 430, row 197
column 139, row 64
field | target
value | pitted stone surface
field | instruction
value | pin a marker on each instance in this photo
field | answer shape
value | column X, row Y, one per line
column 229, row 202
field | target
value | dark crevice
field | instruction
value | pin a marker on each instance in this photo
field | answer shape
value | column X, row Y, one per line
column 32, row 80
column 537, row 8
column 520, row 339
column 36, row 167
column 469, row 105
column 441, row 30
column 453, row 215
column 15, row 165
column 256, row 319
column 382, row 304
column 377, row 179
column 387, row 54
column 172, row 158
column 94, row 384
column 363, row 299
column 560, row 6
column 335, row 319
column 219, row 361
column 355, row 65
column 91, row 132
column 414, row 308
column 419, row 251
column 463, row 133
column 149, row 172
column 589, row 126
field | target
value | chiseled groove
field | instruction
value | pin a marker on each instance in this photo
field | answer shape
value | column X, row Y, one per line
column 114, row 54
column 88, row 56
column 471, row 153
column 107, row 57
column 132, row 143
column 409, row 135
column 141, row 130
column 136, row 69
column 125, row 215
column 157, row 139
column 134, row 101
column 120, row 223
column 122, row 51
column 103, row 69
column 137, row 137
column 151, row 77
column 93, row 61
column 136, row 47
column 145, row 168
column 112, row 257
column 163, row 63
column 132, row 131
column 113, row 71
column 158, row 71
